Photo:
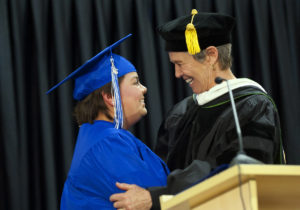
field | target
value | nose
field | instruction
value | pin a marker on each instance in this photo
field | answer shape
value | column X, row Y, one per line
column 144, row 89
column 178, row 72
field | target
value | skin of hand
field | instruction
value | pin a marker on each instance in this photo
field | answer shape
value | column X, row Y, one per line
column 135, row 197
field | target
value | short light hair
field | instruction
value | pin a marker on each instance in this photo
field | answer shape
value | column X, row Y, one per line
column 224, row 58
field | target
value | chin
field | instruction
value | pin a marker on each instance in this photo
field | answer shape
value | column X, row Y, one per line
column 196, row 91
column 138, row 116
column 145, row 111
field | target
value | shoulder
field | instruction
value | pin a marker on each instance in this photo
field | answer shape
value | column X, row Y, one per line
column 117, row 136
column 257, row 106
column 182, row 106
column 96, row 139
column 102, row 130
column 109, row 147
column 179, row 109
column 259, row 99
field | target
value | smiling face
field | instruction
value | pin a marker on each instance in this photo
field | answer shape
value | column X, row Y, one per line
column 133, row 100
column 198, row 75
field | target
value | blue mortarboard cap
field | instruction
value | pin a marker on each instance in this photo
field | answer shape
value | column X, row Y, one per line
column 103, row 68
column 96, row 72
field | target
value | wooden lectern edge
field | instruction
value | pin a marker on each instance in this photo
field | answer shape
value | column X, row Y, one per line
column 226, row 180
column 165, row 198
column 189, row 195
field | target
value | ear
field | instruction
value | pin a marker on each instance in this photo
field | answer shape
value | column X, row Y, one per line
column 212, row 54
column 108, row 99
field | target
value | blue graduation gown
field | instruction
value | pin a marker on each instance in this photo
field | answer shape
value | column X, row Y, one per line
column 104, row 155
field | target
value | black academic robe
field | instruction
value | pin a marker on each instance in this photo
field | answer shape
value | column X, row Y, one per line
column 208, row 132
column 194, row 139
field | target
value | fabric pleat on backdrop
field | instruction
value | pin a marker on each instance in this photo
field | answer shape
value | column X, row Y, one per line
column 43, row 41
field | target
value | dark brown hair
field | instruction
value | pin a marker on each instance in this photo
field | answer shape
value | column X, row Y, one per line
column 88, row 109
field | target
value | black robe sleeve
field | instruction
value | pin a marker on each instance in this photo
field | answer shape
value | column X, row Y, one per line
column 179, row 180
column 171, row 127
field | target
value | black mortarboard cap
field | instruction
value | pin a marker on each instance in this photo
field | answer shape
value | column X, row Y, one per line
column 213, row 29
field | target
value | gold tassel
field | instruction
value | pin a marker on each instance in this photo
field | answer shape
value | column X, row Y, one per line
column 191, row 37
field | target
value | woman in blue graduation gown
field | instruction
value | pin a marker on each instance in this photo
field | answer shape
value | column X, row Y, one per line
column 106, row 152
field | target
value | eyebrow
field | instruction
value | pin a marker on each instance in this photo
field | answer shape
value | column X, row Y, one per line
column 135, row 77
column 175, row 61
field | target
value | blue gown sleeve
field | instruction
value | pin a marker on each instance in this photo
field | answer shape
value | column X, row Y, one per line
column 116, row 157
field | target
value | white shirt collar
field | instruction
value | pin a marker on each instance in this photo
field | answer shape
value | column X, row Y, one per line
column 221, row 89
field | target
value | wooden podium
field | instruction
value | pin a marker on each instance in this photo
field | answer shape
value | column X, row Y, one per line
column 253, row 187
